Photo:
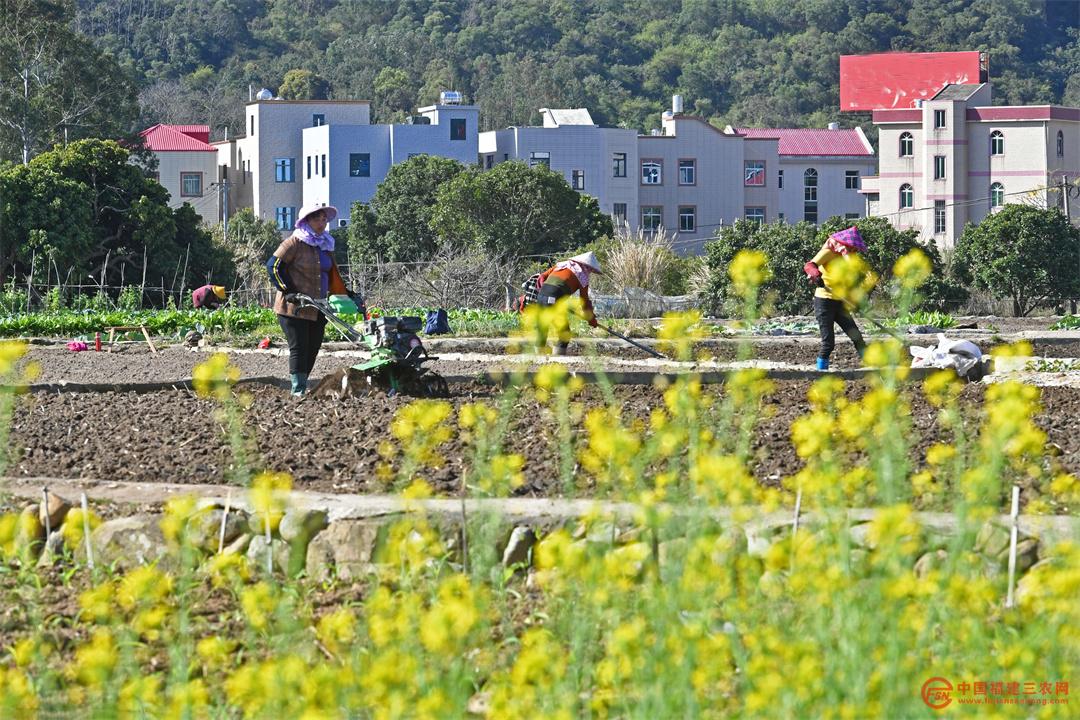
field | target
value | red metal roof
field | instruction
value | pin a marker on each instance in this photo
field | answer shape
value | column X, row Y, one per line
column 173, row 138
column 199, row 132
column 811, row 141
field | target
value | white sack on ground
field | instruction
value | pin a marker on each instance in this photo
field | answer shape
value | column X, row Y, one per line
column 963, row 356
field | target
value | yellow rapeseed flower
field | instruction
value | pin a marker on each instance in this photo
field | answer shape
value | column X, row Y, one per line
column 749, row 270
column 215, row 377
column 269, row 491
column 913, row 269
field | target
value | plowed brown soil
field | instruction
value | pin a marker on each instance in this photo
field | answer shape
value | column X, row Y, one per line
column 173, row 436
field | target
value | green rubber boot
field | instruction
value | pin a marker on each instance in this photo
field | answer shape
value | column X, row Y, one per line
column 299, row 383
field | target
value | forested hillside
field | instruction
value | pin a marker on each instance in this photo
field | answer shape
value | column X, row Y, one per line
column 744, row 61
column 758, row 62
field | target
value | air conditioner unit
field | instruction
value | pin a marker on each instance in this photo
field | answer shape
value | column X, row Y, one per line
column 418, row 120
column 343, row 223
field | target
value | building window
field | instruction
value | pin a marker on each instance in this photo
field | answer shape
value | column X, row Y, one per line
column 489, row 162
column 652, row 172
column 851, row 179
column 286, row 217
column 939, row 217
column 457, row 129
column 318, row 120
column 907, row 197
column 1060, row 144
column 939, row 167
column 997, row 195
column 687, row 219
column 308, row 167
column 359, row 164
column 997, row 143
column 252, row 132
column 618, row 165
column 810, row 178
column 756, row 215
column 780, row 179
column 939, row 119
column 652, row 218
column 577, row 179
column 540, row 158
column 688, row 172
column 283, row 170
column 907, row 144
column 754, row 173
column 618, row 210
column 190, row 184
column 324, row 165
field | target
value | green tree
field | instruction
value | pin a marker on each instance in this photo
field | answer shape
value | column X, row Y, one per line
column 885, row 245
column 394, row 95
column 1024, row 253
column 301, row 84
column 396, row 225
column 248, row 245
column 788, row 247
column 54, row 85
column 43, row 212
column 513, row 209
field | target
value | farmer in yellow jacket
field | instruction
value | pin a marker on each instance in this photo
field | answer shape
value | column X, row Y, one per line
column 827, row 309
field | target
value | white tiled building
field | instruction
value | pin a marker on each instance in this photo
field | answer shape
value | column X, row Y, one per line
column 690, row 177
column 956, row 159
column 263, row 167
column 598, row 161
column 326, row 152
column 344, row 163
column 819, row 173
column 187, row 166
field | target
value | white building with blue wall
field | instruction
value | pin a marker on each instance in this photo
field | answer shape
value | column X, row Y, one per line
column 344, row 164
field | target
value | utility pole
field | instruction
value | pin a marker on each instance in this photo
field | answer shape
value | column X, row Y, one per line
column 223, row 190
column 1068, row 219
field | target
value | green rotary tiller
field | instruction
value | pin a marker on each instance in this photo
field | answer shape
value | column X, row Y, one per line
column 396, row 362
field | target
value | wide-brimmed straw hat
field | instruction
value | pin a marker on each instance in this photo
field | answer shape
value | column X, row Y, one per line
column 331, row 213
column 589, row 260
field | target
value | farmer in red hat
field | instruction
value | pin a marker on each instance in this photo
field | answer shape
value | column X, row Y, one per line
column 828, row 309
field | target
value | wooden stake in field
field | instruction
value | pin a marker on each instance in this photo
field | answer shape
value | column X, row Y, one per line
column 269, row 545
column 86, row 533
column 224, row 519
column 1010, row 601
column 48, row 529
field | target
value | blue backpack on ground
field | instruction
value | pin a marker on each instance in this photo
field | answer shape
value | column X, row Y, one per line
column 437, row 323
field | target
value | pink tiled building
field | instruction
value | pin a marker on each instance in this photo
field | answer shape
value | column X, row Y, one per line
column 956, row 158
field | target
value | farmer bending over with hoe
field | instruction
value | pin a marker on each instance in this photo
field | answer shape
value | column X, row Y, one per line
column 563, row 280
column 208, row 296
column 828, row 309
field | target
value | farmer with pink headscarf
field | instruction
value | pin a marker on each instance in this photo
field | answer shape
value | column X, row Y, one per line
column 304, row 263
column 828, row 309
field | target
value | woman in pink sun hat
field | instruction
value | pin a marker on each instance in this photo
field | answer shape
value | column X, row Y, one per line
column 827, row 309
column 304, row 263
